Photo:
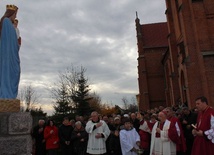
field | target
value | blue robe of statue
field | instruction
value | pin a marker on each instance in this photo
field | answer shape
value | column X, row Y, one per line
column 9, row 61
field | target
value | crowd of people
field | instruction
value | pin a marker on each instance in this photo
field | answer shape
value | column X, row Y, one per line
column 159, row 131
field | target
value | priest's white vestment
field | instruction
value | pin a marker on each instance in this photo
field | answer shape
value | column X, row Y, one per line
column 128, row 139
column 162, row 145
column 97, row 145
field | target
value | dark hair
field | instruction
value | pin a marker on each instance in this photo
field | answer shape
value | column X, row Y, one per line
column 65, row 118
column 125, row 120
column 142, row 113
column 203, row 99
column 185, row 108
column 48, row 122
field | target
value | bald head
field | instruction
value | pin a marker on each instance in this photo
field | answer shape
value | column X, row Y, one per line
column 94, row 113
column 162, row 116
column 41, row 122
column 169, row 112
column 95, row 116
column 133, row 116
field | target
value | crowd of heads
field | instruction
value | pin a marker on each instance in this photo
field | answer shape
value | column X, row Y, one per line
column 160, row 113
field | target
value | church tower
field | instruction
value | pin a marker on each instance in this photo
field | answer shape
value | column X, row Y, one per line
column 152, row 44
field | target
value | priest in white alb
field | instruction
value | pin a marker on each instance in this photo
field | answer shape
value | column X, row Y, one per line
column 98, row 133
column 163, row 137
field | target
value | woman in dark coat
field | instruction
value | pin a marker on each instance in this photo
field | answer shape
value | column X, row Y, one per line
column 114, row 142
column 79, row 139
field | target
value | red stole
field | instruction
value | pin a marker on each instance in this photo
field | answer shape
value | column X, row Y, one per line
column 160, row 125
column 180, row 141
column 201, row 144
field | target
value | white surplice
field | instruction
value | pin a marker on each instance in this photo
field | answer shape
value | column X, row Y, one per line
column 145, row 127
column 128, row 139
column 97, row 146
column 162, row 145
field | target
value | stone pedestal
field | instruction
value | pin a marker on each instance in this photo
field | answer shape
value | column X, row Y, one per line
column 15, row 138
column 9, row 105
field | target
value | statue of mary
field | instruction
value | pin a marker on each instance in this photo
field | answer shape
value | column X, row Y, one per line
column 9, row 55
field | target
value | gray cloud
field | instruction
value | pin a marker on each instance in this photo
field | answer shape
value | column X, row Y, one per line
column 97, row 34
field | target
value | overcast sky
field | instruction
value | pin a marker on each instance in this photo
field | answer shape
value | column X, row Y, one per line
column 99, row 35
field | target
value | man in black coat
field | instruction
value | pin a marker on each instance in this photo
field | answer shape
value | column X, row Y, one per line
column 135, row 122
column 65, row 132
column 38, row 135
column 187, row 119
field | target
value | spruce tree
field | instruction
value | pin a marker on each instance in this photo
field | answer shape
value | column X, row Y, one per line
column 62, row 106
column 81, row 95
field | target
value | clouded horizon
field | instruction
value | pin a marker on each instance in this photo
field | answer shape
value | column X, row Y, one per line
column 99, row 35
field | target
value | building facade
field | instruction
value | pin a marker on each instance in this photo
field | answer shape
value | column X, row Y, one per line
column 188, row 59
column 152, row 44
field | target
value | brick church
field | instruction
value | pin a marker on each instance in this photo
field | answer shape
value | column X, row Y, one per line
column 176, row 58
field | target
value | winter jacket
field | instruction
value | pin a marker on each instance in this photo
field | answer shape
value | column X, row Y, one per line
column 65, row 133
column 52, row 140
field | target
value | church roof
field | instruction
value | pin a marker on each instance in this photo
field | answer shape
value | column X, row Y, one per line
column 154, row 35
